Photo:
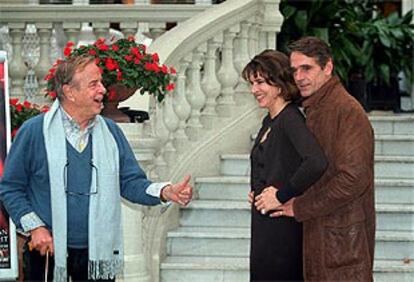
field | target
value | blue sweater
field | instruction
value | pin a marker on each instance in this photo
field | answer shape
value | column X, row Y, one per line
column 25, row 186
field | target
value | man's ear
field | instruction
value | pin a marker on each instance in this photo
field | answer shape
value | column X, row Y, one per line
column 328, row 69
column 67, row 92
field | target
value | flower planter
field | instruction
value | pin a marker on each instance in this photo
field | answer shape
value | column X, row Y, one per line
column 117, row 94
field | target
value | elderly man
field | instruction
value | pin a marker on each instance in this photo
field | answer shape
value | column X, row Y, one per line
column 65, row 175
column 338, row 211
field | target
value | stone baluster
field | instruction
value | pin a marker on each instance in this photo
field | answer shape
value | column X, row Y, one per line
column 44, row 31
column 210, row 83
column 272, row 22
column 181, row 106
column 101, row 29
column 72, row 31
column 129, row 28
column 135, row 265
column 254, row 38
column 17, row 70
column 241, row 58
column 171, row 123
column 227, row 74
column 195, row 95
column 161, row 134
column 156, row 30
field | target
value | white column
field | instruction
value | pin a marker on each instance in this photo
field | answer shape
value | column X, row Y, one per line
column 227, row 74
column 129, row 28
column 195, row 95
column 241, row 59
column 17, row 70
column 171, row 123
column 101, row 29
column 210, row 83
column 44, row 30
column 181, row 106
column 72, row 31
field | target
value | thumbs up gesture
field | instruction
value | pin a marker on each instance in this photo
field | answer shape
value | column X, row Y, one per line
column 180, row 192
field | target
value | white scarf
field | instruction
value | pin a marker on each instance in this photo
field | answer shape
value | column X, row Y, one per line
column 105, row 230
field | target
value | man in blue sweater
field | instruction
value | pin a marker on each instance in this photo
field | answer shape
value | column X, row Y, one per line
column 64, row 177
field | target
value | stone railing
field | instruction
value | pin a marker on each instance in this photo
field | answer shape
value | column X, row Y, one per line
column 34, row 34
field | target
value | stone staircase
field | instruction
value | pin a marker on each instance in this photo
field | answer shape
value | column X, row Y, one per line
column 212, row 241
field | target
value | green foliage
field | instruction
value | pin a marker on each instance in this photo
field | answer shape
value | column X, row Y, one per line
column 361, row 38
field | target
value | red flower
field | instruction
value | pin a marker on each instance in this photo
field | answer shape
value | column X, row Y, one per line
column 67, row 51
column 164, row 69
column 131, row 38
column 103, row 47
column 152, row 67
column 92, row 52
column 19, row 107
column 27, row 104
column 173, row 70
column 45, row 109
column 155, row 57
column 119, row 76
column 52, row 94
column 111, row 64
column 128, row 58
column 14, row 101
column 170, row 87
column 115, row 47
column 135, row 51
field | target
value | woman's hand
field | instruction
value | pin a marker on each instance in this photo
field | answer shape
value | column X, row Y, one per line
column 267, row 200
column 250, row 197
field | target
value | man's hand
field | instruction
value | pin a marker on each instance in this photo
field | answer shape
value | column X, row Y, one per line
column 285, row 210
column 180, row 193
column 267, row 200
column 42, row 241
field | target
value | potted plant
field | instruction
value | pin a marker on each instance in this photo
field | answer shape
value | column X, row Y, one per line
column 125, row 66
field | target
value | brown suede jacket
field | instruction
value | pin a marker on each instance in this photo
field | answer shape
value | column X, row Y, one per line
column 338, row 211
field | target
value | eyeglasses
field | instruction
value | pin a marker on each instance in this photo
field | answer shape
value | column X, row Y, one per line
column 94, row 189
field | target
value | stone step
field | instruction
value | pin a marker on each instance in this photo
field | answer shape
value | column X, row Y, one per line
column 235, row 242
column 394, row 145
column 392, row 217
column 209, row 269
column 236, row 188
column 400, row 167
column 393, row 124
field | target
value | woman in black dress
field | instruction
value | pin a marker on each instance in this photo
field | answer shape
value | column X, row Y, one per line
column 285, row 160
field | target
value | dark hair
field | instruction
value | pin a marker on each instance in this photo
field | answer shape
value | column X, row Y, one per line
column 313, row 47
column 66, row 70
column 274, row 67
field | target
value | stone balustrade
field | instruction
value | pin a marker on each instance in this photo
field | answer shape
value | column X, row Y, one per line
column 35, row 34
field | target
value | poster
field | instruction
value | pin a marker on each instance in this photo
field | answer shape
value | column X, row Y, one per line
column 8, row 249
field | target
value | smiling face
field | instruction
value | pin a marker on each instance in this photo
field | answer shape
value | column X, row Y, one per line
column 308, row 75
column 266, row 95
column 84, row 94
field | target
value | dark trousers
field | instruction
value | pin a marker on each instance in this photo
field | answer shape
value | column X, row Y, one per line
column 77, row 265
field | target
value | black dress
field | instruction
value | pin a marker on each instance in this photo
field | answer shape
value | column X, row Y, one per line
column 290, row 159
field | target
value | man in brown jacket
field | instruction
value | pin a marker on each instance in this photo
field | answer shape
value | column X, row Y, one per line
column 337, row 212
